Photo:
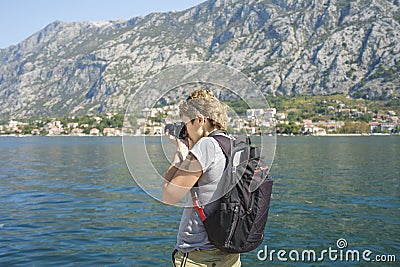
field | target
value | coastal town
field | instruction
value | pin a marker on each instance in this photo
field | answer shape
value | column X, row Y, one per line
column 336, row 119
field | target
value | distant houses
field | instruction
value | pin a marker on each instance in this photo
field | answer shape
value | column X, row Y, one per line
column 94, row 131
column 111, row 132
column 77, row 132
column 310, row 128
column 258, row 121
column 321, row 127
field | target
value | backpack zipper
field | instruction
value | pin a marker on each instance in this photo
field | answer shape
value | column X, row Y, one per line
column 234, row 223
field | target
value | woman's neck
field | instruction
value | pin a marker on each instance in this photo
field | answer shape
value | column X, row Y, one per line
column 207, row 132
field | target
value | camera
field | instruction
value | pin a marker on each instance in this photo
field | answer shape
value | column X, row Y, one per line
column 177, row 129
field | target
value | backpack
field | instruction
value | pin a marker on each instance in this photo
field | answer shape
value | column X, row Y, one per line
column 235, row 222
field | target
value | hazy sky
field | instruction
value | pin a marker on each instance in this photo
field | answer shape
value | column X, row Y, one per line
column 21, row 18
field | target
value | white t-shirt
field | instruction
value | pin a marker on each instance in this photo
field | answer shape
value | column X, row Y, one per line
column 192, row 234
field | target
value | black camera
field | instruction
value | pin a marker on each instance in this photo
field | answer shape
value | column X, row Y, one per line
column 177, row 129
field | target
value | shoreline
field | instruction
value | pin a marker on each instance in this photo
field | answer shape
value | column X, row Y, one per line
column 342, row 135
column 280, row 135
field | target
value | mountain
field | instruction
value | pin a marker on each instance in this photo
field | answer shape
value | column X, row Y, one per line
column 287, row 47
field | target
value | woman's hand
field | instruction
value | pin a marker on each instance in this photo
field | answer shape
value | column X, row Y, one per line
column 183, row 173
column 182, row 147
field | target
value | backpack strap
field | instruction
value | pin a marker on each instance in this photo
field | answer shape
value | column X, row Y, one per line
column 226, row 146
column 224, row 142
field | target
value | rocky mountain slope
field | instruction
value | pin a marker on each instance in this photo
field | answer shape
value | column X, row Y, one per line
column 286, row 47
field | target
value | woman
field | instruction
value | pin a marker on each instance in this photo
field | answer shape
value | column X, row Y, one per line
column 198, row 159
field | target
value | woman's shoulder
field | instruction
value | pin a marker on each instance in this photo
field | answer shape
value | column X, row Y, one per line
column 206, row 142
column 210, row 144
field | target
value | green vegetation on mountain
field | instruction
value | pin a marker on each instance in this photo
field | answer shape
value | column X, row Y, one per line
column 287, row 48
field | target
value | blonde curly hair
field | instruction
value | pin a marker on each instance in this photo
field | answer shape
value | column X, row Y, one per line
column 204, row 102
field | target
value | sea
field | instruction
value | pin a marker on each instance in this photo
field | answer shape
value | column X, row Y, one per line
column 75, row 201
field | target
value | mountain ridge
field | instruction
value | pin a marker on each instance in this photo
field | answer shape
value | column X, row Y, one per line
column 292, row 47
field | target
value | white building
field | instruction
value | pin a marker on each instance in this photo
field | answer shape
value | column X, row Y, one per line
column 149, row 112
column 94, row 131
column 270, row 113
column 280, row 116
column 254, row 112
column 313, row 130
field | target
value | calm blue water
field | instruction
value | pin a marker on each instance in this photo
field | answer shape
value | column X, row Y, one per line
column 69, row 201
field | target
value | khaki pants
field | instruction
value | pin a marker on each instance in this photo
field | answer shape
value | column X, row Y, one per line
column 205, row 258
